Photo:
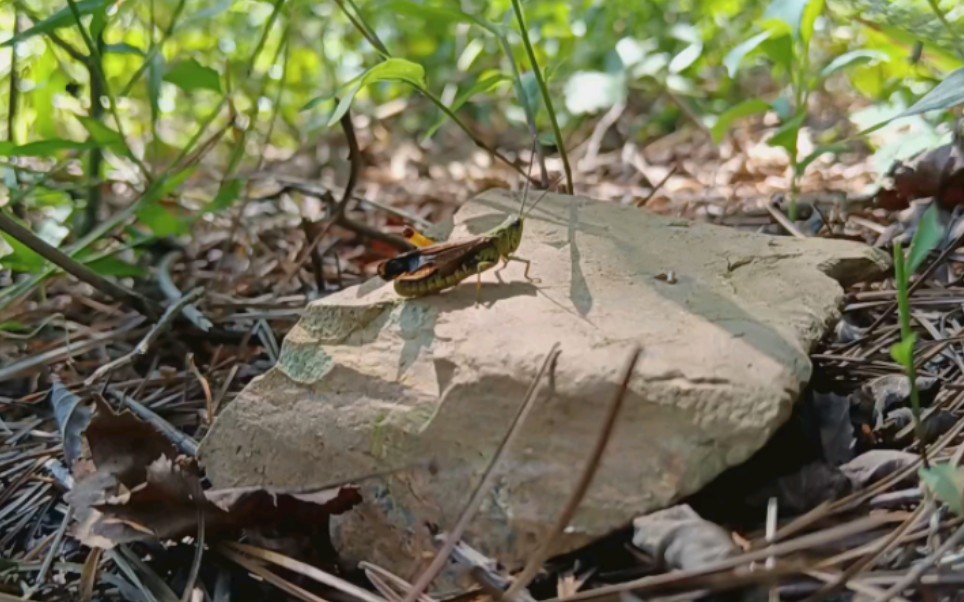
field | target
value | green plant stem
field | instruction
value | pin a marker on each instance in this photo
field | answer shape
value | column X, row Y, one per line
column 155, row 48
column 373, row 39
column 367, row 32
column 903, row 312
column 451, row 115
column 544, row 90
column 12, row 106
column 95, row 158
column 524, row 101
column 94, row 63
column 275, row 11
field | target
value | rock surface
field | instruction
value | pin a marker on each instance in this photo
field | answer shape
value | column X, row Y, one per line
column 367, row 381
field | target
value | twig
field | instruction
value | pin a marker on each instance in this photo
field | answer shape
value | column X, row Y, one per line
column 301, row 568
column 338, row 215
column 256, row 568
column 162, row 325
column 40, row 360
column 484, row 485
column 647, row 584
column 54, row 547
column 184, row 442
column 582, row 486
column 921, row 567
column 784, row 221
column 642, row 202
column 198, row 545
column 139, row 302
column 166, row 283
column 886, row 544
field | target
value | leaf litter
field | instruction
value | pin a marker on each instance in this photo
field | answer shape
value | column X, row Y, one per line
column 102, row 496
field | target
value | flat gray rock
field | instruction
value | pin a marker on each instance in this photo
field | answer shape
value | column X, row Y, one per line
column 368, row 382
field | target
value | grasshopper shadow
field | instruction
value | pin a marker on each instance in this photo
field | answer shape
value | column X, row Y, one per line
column 463, row 295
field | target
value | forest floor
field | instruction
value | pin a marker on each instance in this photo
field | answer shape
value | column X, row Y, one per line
column 68, row 347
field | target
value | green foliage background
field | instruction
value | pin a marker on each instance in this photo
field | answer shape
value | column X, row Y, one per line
column 172, row 68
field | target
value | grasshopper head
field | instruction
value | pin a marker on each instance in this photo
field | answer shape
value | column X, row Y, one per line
column 511, row 234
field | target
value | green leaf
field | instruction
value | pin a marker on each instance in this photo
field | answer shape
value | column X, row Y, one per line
column 15, row 256
column 686, row 57
column 485, row 83
column 190, row 75
column 123, row 48
column 837, row 147
column 787, row 134
column 118, row 268
column 172, row 183
column 949, row 93
column 947, row 483
column 854, row 57
column 753, row 106
column 790, row 12
column 62, row 18
column 809, row 20
column 227, row 195
column 44, row 148
column 104, row 136
column 903, row 351
column 926, row 238
column 443, row 15
column 161, row 222
column 734, row 57
column 779, row 49
column 392, row 69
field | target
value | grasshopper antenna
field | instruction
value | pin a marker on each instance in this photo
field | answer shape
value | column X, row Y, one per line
column 525, row 187
column 541, row 196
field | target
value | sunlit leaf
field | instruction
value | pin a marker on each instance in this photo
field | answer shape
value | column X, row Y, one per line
column 947, row 483
column 949, row 93
column 926, row 238
column 190, row 75
column 903, row 351
column 753, row 106
column 734, row 57
column 686, row 57
column 848, row 59
column 62, row 18
column 809, row 20
column 593, row 91
column 392, row 69
column 789, row 11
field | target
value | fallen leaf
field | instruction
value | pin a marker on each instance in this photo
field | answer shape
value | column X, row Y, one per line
column 873, row 465
column 678, row 538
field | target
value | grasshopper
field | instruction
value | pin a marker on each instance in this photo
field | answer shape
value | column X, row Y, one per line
column 434, row 267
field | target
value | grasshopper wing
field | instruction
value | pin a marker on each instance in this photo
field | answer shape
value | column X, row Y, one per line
column 420, row 263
